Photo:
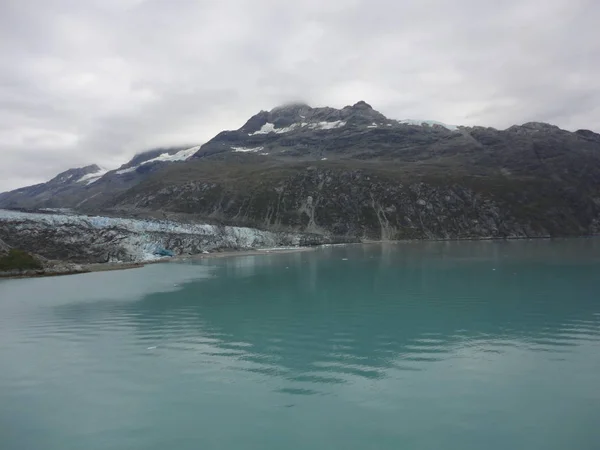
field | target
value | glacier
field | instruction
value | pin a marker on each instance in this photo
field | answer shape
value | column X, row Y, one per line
column 98, row 239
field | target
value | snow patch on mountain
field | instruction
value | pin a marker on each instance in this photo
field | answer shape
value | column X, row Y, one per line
column 182, row 155
column 179, row 156
column 427, row 123
column 270, row 128
column 92, row 177
column 247, row 150
column 327, row 125
column 129, row 169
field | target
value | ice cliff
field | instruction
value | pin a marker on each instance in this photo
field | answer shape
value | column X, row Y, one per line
column 94, row 239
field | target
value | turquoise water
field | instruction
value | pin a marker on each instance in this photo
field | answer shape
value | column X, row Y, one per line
column 481, row 345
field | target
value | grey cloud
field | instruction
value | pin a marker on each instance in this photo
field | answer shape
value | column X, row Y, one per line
column 96, row 81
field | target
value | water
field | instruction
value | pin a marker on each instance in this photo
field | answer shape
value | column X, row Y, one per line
column 403, row 346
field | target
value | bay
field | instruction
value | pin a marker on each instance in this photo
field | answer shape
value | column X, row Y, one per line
column 454, row 345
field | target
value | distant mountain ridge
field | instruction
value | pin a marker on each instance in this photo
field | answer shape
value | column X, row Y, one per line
column 354, row 172
column 71, row 188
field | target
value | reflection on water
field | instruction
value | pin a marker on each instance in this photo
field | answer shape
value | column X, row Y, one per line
column 402, row 344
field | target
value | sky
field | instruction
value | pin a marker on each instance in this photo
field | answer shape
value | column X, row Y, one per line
column 97, row 81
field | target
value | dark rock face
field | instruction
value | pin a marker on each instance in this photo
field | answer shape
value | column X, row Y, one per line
column 354, row 173
column 369, row 204
column 589, row 135
column 4, row 248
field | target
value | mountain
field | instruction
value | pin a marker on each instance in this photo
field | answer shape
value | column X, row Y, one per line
column 45, row 193
column 301, row 132
column 75, row 188
column 352, row 172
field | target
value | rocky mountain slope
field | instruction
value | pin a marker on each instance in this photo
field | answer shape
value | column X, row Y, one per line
column 74, row 187
column 4, row 248
column 352, row 172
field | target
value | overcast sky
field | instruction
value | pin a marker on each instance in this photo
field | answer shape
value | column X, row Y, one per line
column 95, row 81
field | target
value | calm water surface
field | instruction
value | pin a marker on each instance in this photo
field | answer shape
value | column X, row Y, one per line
column 406, row 346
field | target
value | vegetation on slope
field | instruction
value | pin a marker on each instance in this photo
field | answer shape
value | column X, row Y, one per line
column 17, row 259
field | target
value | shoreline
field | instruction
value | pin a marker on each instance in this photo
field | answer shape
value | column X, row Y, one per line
column 108, row 267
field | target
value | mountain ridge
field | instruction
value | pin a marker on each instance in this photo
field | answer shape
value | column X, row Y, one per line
column 354, row 172
column 140, row 157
